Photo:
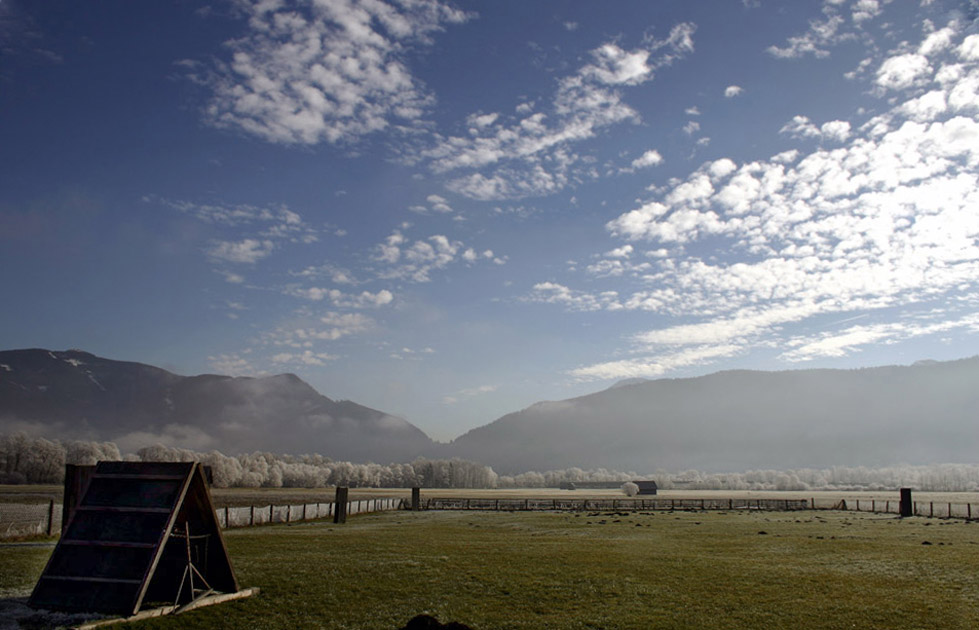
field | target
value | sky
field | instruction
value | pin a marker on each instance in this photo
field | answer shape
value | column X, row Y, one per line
column 451, row 210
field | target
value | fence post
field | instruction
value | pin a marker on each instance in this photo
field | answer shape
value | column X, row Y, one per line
column 251, row 517
column 416, row 494
column 271, row 513
column 288, row 513
column 304, row 511
column 931, row 508
column 50, row 516
column 907, row 505
column 340, row 507
column 227, row 521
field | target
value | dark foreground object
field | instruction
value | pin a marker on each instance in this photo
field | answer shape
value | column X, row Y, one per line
column 428, row 622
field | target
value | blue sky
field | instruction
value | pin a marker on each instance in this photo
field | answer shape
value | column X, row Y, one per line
column 451, row 210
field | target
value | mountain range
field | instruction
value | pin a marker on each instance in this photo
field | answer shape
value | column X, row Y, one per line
column 77, row 395
column 726, row 421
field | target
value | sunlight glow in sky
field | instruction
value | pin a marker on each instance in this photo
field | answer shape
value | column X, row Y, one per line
column 451, row 210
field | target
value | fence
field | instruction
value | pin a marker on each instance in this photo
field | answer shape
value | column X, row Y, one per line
column 30, row 519
column 44, row 519
column 580, row 505
column 40, row 519
column 254, row 515
column 933, row 509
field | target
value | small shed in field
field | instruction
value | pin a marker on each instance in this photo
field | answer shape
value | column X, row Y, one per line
column 141, row 532
column 646, row 487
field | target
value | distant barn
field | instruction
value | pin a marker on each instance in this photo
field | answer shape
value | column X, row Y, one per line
column 646, row 487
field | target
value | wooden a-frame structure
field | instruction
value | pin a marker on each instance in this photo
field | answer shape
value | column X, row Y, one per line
column 142, row 532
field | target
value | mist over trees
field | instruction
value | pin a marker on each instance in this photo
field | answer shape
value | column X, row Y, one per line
column 33, row 460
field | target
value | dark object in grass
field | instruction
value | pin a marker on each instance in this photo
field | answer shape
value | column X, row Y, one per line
column 762, row 533
column 428, row 622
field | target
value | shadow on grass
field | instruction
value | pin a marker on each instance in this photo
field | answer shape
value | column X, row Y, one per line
column 15, row 614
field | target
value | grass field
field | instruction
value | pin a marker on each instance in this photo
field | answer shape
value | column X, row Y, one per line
column 591, row 570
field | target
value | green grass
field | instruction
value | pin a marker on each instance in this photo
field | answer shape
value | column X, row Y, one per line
column 543, row 570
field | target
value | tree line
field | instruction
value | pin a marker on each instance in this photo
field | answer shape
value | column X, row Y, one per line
column 34, row 460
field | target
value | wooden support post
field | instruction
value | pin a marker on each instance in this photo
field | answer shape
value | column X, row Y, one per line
column 873, row 505
column 271, row 513
column 340, row 507
column 288, row 513
column 251, row 517
column 887, row 507
column 907, row 506
column 968, row 511
column 416, row 502
column 931, row 508
column 50, row 516
column 950, row 510
column 858, row 505
column 227, row 520
column 304, row 511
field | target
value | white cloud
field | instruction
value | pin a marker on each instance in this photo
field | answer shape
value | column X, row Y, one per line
column 415, row 261
column 968, row 50
column 323, row 71
column 903, row 71
column 249, row 250
column 340, row 299
column 306, row 358
column 845, row 342
column 822, row 35
column 732, row 90
column 837, row 130
column 802, row 127
column 653, row 366
column 439, row 204
column 530, row 155
column 884, row 219
column 313, row 331
column 865, row 9
column 620, row 252
column 554, row 293
column 647, row 159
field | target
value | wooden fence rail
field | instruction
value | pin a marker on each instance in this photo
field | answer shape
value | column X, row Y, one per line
column 43, row 519
column 254, row 515
column 581, row 505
